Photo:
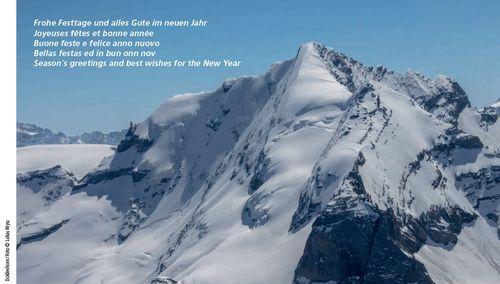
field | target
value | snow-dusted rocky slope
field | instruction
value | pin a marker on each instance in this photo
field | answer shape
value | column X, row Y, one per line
column 46, row 173
column 31, row 134
column 322, row 170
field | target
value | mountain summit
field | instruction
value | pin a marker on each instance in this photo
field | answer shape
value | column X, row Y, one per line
column 321, row 170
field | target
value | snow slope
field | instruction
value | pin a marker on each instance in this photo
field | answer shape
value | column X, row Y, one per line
column 78, row 159
column 321, row 170
column 47, row 173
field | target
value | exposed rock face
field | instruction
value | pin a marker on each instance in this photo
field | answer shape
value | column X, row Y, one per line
column 469, row 142
column 482, row 189
column 488, row 116
column 133, row 218
column 35, row 180
column 131, row 139
column 340, row 247
column 252, row 215
column 51, row 183
column 39, row 236
column 442, row 96
column 352, row 242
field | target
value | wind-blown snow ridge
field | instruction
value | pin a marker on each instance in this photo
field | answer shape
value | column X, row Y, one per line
column 321, row 170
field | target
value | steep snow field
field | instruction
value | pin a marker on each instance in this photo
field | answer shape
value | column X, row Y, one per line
column 78, row 159
column 474, row 259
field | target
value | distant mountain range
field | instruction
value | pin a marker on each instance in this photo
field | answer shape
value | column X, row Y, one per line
column 30, row 134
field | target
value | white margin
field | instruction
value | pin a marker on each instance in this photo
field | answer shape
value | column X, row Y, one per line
column 8, row 107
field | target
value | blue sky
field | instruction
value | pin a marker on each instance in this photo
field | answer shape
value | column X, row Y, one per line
column 457, row 38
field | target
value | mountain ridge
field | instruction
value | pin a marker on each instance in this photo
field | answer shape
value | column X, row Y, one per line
column 30, row 134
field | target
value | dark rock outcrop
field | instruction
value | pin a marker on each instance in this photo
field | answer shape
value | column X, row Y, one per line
column 354, row 242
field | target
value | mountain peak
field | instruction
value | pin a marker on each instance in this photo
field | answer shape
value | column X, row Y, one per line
column 308, row 45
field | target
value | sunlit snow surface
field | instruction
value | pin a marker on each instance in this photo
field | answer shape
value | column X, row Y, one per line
column 474, row 259
column 78, row 159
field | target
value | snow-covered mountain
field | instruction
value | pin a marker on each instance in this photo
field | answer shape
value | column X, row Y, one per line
column 78, row 159
column 496, row 106
column 31, row 134
column 321, row 170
